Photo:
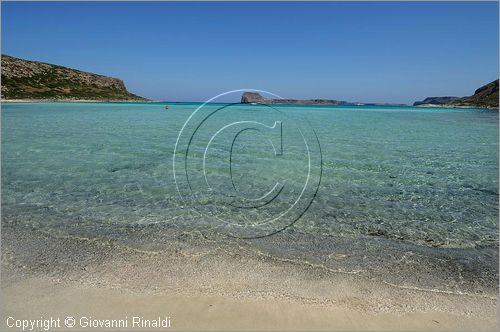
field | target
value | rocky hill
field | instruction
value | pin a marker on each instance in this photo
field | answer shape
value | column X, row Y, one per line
column 22, row 79
column 484, row 97
column 253, row 97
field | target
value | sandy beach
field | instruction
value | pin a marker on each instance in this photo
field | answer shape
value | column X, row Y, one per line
column 39, row 297
column 47, row 275
column 31, row 101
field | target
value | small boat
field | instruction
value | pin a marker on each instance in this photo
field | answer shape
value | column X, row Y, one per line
column 166, row 107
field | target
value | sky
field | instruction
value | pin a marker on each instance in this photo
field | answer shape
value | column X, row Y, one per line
column 366, row 52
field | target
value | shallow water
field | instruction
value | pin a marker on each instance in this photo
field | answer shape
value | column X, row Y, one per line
column 421, row 180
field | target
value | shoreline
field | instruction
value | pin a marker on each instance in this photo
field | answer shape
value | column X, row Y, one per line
column 227, row 289
column 454, row 106
column 34, row 101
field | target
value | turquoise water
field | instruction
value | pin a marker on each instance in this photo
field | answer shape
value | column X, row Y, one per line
column 412, row 178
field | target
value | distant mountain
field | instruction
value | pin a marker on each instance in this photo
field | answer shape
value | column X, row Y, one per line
column 484, row 97
column 23, row 79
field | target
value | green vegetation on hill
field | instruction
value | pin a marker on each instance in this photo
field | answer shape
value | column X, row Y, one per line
column 22, row 79
column 485, row 96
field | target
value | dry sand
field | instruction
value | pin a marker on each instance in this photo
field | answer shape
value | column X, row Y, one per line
column 34, row 298
column 45, row 275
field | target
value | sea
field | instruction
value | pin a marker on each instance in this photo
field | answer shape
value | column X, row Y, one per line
column 406, row 195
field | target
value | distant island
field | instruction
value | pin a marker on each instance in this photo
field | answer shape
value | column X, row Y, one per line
column 256, row 98
column 436, row 101
column 33, row 80
column 484, row 97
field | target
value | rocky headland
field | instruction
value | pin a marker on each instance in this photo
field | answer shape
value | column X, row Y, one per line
column 484, row 97
column 33, row 80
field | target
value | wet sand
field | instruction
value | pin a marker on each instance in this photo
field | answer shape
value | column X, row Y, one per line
column 217, row 289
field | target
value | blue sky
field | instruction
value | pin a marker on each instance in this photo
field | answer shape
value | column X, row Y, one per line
column 371, row 52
